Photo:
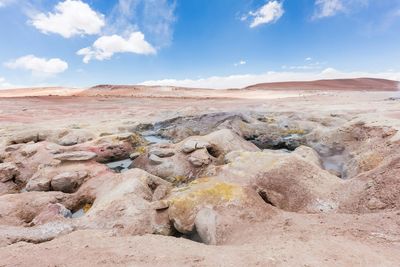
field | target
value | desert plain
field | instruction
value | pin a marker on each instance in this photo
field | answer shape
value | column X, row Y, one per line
column 290, row 174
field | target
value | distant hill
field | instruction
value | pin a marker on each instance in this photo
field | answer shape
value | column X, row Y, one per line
column 368, row 84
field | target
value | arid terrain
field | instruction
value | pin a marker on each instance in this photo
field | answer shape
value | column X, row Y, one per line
column 283, row 174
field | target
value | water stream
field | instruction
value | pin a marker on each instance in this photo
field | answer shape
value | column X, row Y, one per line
column 123, row 165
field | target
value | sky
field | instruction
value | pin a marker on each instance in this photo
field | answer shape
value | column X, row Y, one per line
column 196, row 43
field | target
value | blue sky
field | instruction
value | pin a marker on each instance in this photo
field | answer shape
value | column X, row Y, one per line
column 200, row 43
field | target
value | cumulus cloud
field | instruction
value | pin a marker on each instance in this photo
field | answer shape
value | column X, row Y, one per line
column 70, row 18
column 39, row 66
column 240, row 81
column 106, row 46
column 268, row 13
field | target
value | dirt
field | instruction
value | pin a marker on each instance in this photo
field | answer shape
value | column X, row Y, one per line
column 352, row 235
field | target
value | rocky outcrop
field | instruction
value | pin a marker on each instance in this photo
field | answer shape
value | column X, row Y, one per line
column 286, row 180
column 189, row 159
column 203, row 205
column 8, row 171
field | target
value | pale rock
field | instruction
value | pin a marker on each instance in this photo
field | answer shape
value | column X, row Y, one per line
column 68, row 182
column 200, row 158
column 8, row 171
column 76, row 156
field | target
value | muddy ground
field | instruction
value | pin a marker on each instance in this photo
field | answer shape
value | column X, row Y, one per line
column 255, row 179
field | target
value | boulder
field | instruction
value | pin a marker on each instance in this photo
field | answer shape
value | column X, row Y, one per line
column 286, row 180
column 123, row 202
column 75, row 136
column 154, row 159
column 161, row 152
column 191, row 145
column 206, row 202
column 8, row 171
column 134, row 155
column 308, row 154
column 114, row 147
column 76, row 156
column 68, row 182
column 20, row 209
column 206, row 225
column 36, row 234
column 200, row 158
column 28, row 136
column 191, row 155
column 40, row 181
column 51, row 212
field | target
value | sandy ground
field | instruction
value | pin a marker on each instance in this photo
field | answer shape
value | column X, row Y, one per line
column 289, row 239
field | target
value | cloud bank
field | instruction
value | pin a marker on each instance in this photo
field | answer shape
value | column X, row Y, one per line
column 70, row 18
column 39, row 66
column 240, row 81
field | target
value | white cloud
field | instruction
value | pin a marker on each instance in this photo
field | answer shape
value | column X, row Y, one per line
column 39, row 66
column 240, row 81
column 328, row 8
column 106, row 46
column 71, row 17
column 308, row 59
column 241, row 62
column 269, row 13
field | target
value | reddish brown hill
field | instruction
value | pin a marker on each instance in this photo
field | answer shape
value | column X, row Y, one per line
column 368, row 84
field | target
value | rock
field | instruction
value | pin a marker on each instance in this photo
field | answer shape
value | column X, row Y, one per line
column 8, row 188
column 182, row 166
column 189, row 146
column 375, row 204
column 20, row 209
column 200, row 158
column 36, row 234
column 28, row 136
column 155, row 159
column 40, row 181
column 206, row 226
column 68, row 182
column 76, row 156
column 8, row 171
column 228, row 198
column 162, row 152
column 285, row 180
column 134, row 155
column 114, row 147
column 29, row 150
column 75, row 136
column 51, row 213
column 308, row 154
column 122, row 202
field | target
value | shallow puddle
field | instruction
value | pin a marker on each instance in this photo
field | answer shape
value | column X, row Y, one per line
column 120, row 166
column 77, row 214
column 156, row 139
